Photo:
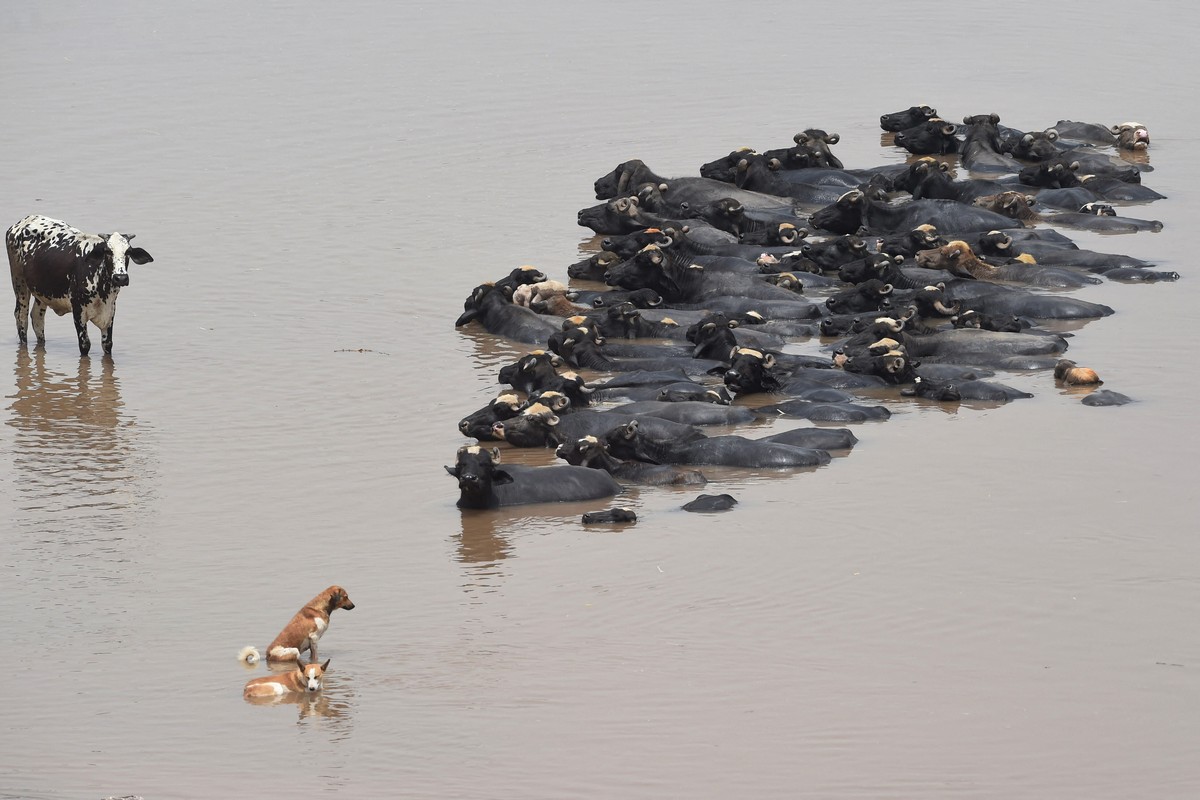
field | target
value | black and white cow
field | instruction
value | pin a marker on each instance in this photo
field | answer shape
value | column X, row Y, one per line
column 65, row 269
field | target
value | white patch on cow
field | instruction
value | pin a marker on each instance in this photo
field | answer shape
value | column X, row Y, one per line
column 118, row 246
column 510, row 400
column 100, row 312
column 538, row 410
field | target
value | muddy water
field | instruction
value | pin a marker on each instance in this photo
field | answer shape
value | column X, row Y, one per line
column 978, row 602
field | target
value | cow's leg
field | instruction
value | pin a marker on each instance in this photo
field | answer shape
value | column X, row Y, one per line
column 85, row 343
column 106, row 338
column 21, row 312
column 39, row 320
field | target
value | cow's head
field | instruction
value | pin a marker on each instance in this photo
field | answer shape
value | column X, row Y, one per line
column 114, row 254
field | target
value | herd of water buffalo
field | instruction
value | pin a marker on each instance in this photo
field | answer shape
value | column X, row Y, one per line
column 914, row 282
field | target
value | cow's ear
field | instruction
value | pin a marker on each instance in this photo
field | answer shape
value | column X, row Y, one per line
column 452, row 470
column 138, row 256
column 500, row 477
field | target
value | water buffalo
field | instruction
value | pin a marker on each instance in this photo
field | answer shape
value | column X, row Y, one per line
column 484, row 484
column 909, row 118
column 593, row 452
column 629, row 442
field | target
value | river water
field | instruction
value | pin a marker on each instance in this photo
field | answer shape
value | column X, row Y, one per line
column 984, row 602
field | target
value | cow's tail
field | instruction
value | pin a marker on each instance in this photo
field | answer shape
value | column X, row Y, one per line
column 249, row 655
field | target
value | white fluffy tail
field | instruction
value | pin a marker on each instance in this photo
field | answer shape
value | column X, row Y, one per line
column 250, row 655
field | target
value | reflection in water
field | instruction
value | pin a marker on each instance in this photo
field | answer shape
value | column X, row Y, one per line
column 481, row 547
column 74, row 448
column 330, row 710
column 1139, row 157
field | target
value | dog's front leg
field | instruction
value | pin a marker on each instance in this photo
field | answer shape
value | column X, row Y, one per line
column 312, row 649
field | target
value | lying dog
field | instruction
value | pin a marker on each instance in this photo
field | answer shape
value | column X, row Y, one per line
column 302, row 633
column 304, row 678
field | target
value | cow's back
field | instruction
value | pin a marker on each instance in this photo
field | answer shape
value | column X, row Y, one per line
column 42, row 254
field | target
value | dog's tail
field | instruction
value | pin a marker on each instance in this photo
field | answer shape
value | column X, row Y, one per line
column 249, row 655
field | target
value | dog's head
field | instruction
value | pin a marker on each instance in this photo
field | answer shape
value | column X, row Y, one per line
column 311, row 675
column 338, row 598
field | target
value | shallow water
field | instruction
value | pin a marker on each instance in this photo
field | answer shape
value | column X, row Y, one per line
column 978, row 602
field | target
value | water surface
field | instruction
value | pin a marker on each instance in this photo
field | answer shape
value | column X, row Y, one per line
column 978, row 602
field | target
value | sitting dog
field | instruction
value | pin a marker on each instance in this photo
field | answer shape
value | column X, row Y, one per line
column 302, row 633
column 304, row 678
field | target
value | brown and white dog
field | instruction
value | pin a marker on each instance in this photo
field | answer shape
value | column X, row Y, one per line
column 304, row 678
column 302, row 633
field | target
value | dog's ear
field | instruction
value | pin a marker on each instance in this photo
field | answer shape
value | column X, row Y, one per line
column 325, row 666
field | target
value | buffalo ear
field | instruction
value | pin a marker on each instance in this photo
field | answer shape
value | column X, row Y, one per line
column 769, row 361
column 452, row 470
column 138, row 256
column 501, row 477
column 466, row 317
